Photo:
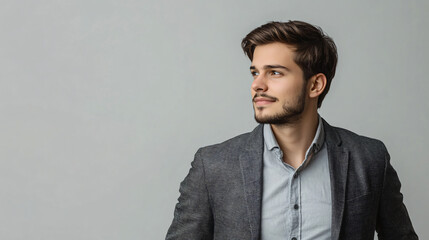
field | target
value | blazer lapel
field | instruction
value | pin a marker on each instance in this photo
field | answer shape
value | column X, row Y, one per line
column 251, row 168
column 338, row 167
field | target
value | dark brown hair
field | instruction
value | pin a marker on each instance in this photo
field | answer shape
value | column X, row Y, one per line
column 315, row 52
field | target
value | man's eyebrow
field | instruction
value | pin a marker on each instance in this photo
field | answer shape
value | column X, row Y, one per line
column 271, row 66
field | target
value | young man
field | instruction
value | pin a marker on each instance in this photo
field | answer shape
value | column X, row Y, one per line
column 294, row 176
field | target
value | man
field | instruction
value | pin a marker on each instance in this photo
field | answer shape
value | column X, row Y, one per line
column 294, row 176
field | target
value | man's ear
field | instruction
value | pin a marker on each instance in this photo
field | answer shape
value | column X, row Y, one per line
column 317, row 85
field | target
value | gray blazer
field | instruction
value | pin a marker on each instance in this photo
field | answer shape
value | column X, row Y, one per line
column 220, row 198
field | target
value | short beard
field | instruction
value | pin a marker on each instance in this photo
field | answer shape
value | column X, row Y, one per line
column 290, row 115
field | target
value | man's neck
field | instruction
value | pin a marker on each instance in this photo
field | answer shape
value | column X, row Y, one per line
column 294, row 139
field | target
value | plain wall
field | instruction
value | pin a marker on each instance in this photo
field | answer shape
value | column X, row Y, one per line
column 104, row 103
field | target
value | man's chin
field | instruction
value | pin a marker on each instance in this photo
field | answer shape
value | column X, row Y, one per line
column 265, row 119
column 261, row 115
column 279, row 119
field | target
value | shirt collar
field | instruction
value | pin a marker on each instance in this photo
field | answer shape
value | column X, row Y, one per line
column 319, row 138
column 269, row 139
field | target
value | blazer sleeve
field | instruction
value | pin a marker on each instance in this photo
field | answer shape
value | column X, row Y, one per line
column 193, row 218
column 393, row 222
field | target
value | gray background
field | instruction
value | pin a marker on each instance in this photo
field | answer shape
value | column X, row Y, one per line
column 104, row 103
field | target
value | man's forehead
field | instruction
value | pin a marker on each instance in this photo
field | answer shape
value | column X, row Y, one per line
column 272, row 54
column 275, row 46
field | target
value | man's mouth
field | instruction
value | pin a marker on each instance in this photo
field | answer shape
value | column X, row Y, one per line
column 263, row 99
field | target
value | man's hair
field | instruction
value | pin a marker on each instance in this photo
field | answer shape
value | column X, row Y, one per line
column 315, row 52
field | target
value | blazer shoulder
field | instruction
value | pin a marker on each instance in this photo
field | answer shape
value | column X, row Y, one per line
column 234, row 144
column 356, row 142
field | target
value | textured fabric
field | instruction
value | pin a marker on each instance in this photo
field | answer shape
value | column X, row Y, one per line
column 296, row 203
column 221, row 196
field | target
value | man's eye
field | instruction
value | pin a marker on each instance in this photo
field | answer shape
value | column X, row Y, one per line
column 254, row 73
column 275, row 73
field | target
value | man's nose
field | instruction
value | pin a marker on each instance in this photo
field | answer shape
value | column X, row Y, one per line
column 259, row 83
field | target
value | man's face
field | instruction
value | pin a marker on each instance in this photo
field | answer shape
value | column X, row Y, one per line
column 278, row 89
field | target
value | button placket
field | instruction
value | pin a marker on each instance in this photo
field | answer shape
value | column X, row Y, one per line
column 294, row 200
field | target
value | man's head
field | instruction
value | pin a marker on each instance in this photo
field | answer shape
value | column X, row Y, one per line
column 313, row 51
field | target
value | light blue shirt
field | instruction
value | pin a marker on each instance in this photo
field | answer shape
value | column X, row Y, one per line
column 296, row 203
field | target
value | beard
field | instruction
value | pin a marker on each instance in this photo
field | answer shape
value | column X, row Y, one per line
column 292, row 112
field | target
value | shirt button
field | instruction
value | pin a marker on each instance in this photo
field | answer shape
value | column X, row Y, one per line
column 296, row 206
column 294, row 238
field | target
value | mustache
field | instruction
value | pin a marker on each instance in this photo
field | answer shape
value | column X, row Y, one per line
column 263, row 95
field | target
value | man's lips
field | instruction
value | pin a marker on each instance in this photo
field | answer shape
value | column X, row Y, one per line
column 263, row 101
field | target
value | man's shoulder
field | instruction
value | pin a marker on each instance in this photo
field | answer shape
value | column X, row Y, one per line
column 234, row 144
column 355, row 141
column 348, row 135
